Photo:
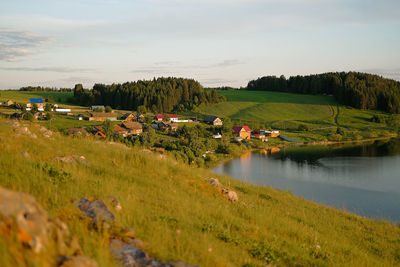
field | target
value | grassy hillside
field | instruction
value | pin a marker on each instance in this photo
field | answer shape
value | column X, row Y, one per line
column 286, row 111
column 179, row 215
column 24, row 96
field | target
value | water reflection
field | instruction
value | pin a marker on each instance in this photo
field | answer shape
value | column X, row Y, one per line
column 362, row 178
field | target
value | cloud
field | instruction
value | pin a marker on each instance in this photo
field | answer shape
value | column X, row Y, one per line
column 15, row 45
column 393, row 73
column 48, row 69
column 177, row 67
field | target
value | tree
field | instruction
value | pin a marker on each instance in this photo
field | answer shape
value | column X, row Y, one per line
column 49, row 116
column 34, row 108
column 142, row 109
column 108, row 109
column 47, row 107
column 108, row 128
column 28, row 116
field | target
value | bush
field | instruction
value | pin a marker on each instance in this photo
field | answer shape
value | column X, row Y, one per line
column 303, row 128
column 335, row 137
column 108, row 109
column 28, row 116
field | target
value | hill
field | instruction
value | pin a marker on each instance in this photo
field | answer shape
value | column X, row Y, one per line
column 176, row 212
column 356, row 89
column 321, row 114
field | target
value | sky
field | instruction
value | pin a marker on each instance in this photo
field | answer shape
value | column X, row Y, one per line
column 217, row 42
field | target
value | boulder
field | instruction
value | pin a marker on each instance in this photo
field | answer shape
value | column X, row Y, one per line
column 231, row 195
column 35, row 232
column 65, row 159
column 96, row 210
column 214, row 182
column 114, row 203
column 45, row 132
column 24, row 131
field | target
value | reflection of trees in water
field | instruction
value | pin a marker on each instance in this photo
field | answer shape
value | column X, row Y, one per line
column 311, row 155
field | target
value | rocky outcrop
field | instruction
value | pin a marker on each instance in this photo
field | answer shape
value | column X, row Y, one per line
column 37, row 234
column 45, row 132
column 24, row 131
column 97, row 210
column 214, row 182
column 228, row 193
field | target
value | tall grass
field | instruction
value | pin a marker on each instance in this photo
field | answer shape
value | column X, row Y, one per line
column 179, row 216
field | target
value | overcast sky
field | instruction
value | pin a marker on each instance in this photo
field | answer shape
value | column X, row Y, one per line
column 217, row 42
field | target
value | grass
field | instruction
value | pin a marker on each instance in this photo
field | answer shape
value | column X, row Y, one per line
column 286, row 111
column 161, row 196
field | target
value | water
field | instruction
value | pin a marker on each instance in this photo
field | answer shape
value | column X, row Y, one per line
column 364, row 179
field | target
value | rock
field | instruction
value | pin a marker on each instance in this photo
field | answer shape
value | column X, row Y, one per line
column 45, row 132
column 214, row 182
column 83, row 160
column 97, row 210
column 231, row 195
column 25, row 131
column 14, row 123
column 25, row 154
column 128, row 255
column 65, row 159
column 128, row 232
column 34, row 230
column 114, row 203
column 180, row 264
column 77, row 261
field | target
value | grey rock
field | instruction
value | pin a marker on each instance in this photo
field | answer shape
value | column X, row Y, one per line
column 214, row 182
column 231, row 195
column 97, row 210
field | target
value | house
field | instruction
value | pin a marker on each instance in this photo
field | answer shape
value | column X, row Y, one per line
column 272, row 133
column 98, row 107
column 102, row 116
column 213, row 120
column 242, row 131
column 129, row 117
column 118, row 130
column 140, row 117
column 259, row 136
column 133, row 127
column 217, row 136
column 173, row 118
column 81, row 117
column 159, row 117
column 38, row 101
column 77, row 132
column 100, row 135
column 8, row 103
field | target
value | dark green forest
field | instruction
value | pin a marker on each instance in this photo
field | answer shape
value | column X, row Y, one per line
column 157, row 95
column 355, row 89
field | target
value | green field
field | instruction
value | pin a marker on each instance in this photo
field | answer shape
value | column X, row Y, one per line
column 286, row 111
column 178, row 214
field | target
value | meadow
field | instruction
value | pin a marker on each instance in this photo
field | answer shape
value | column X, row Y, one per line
column 179, row 215
column 321, row 114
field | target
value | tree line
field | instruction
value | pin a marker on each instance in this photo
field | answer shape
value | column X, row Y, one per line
column 44, row 89
column 157, row 95
column 359, row 90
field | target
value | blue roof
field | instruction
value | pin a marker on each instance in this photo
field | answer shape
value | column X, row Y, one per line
column 36, row 100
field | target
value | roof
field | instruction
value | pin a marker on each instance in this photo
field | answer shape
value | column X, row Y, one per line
column 118, row 128
column 173, row 116
column 102, row 115
column 126, row 115
column 237, row 129
column 36, row 100
column 98, row 128
column 98, row 107
column 160, row 116
column 211, row 118
column 132, row 125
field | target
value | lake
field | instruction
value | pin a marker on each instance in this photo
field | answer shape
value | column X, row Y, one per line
column 363, row 178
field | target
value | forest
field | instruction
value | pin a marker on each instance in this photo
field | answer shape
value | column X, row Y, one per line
column 355, row 89
column 157, row 95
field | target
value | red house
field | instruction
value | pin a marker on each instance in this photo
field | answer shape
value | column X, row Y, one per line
column 242, row 131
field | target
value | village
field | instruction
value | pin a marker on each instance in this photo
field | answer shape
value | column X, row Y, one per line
column 102, row 122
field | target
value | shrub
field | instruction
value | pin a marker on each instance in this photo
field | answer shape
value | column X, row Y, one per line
column 28, row 116
column 108, row 109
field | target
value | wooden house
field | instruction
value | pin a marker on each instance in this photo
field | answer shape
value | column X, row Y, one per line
column 140, row 117
column 102, row 117
column 8, row 103
column 133, row 127
column 212, row 120
column 242, row 131
column 129, row 117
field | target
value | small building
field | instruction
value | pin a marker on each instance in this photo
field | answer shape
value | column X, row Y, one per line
column 242, row 131
column 38, row 101
column 129, row 117
column 63, row 110
column 217, row 136
column 272, row 133
column 118, row 130
column 77, row 132
column 102, row 116
column 133, row 127
column 8, row 103
column 259, row 136
column 173, row 118
column 100, row 135
column 173, row 126
column 159, row 117
column 212, row 120
column 98, row 107
column 140, row 117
